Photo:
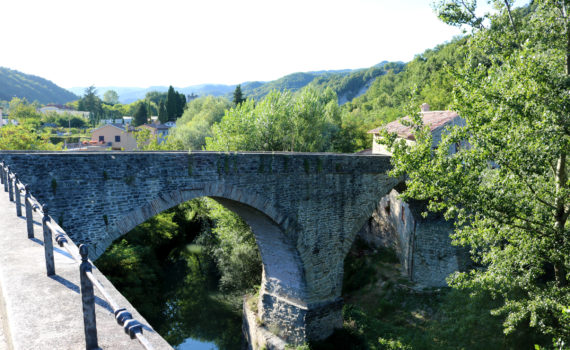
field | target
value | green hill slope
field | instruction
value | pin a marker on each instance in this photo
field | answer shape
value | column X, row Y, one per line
column 17, row 84
column 347, row 83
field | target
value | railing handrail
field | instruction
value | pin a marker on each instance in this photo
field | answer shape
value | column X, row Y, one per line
column 15, row 186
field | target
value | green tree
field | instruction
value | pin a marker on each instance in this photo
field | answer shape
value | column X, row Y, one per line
column 92, row 104
column 20, row 137
column 508, row 191
column 181, row 105
column 21, row 110
column 155, row 96
column 162, row 114
column 195, row 124
column 140, row 116
column 307, row 122
column 111, row 97
column 238, row 96
column 173, row 104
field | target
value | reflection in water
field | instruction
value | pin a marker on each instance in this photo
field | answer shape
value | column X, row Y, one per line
column 191, row 344
column 197, row 316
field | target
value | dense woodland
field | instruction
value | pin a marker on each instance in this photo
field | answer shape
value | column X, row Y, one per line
column 508, row 193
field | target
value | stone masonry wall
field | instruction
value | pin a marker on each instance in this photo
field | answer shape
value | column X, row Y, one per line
column 422, row 244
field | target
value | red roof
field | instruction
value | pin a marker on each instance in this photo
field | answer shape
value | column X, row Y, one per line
column 434, row 119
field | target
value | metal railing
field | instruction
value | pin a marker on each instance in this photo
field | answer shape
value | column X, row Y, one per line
column 132, row 327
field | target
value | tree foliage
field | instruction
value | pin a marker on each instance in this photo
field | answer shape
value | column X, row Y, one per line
column 175, row 103
column 509, row 190
column 111, row 97
column 20, row 137
column 307, row 122
column 140, row 116
column 91, row 103
column 22, row 110
column 196, row 122
column 238, row 96
column 162, row 114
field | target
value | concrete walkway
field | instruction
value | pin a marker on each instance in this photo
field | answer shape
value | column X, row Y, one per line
column 3, row 340
column 40, row 312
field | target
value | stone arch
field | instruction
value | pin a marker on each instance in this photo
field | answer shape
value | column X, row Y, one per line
column 283, row 275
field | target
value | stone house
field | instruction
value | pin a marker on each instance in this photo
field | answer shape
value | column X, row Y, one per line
column 423, row 244
column 116, row 136
column 437, row 121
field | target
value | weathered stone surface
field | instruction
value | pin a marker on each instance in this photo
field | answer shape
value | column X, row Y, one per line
column 422, row 244
column 304, row 209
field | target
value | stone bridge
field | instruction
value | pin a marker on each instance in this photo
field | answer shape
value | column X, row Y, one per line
column 305, row 210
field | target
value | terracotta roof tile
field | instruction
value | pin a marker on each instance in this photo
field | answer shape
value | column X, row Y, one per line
column 435, row 120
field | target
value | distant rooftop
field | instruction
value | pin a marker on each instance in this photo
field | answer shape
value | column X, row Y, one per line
column 433, row 119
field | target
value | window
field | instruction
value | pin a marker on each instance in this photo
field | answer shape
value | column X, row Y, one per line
column 102, row 138
column 118, row 138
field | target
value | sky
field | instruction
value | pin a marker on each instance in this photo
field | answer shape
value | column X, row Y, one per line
column 187, row 42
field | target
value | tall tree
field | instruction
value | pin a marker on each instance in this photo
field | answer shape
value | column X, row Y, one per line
column 508, row 191
column 111, row 96
column 172, row 102
column 140, row 116
column 181, row 105
column 238, row 96
column 91, row 103
column 162, row 114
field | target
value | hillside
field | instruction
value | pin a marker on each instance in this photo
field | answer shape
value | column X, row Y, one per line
column 350, row 86
column 17, row 84
column 347, row 83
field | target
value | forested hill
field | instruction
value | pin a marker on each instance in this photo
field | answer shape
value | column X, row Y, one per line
column 347, row 83
column 17, row 84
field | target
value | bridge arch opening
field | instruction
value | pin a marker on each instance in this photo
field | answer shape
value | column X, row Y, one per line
column 282, row 279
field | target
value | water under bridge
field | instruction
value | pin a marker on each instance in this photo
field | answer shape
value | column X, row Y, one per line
column 305, row 210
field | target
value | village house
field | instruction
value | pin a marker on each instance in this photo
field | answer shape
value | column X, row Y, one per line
column 160, row 131
column 115, row 136
column 437, row 121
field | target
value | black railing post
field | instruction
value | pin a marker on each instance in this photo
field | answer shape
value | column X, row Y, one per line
column 5, row 174
column 29, row 213
column 48, row 243
column 88, row 299
column 18, row 197
column 10, row 186
column 2, row 172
